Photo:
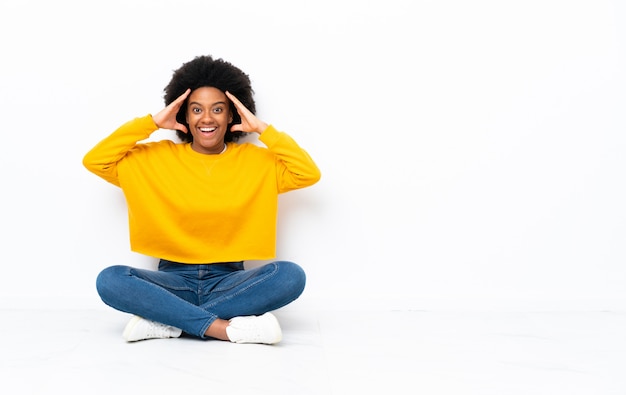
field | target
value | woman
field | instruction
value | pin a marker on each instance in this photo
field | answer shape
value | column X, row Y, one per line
column 203, row 207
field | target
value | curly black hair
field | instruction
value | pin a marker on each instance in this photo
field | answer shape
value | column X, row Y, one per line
column 204, row 71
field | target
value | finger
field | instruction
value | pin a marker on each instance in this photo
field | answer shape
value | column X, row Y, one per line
column 184, row 95
column 232, row 97
column 181, row 127
column 180, row 99
column 238, row 105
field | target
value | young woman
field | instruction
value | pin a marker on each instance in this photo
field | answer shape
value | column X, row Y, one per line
column 203, row 206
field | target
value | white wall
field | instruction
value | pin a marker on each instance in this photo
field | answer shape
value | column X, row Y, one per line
column 472, row 151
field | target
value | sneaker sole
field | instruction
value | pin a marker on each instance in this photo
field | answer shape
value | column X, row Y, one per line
column 279, row 332
column 129, row 328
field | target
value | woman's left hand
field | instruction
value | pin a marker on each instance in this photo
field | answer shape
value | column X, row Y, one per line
column 249, row 122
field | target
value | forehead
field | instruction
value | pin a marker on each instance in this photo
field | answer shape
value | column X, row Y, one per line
column 207, row 94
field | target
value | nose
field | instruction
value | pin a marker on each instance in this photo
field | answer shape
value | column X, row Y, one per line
column 206, row 115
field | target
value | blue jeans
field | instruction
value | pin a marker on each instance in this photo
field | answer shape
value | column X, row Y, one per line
column 191, row 296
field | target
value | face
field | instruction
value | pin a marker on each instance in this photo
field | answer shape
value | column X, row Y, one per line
column 208, row 116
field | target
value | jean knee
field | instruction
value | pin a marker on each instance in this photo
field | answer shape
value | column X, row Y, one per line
column 293, row 276
column 108, row 281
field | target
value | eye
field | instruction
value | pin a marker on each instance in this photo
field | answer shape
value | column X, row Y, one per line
column 218, row 110
column 196, row 110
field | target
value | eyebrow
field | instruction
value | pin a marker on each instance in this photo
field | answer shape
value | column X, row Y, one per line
column 214, row 104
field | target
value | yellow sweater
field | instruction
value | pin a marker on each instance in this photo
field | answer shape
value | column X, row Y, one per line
column 189, row 207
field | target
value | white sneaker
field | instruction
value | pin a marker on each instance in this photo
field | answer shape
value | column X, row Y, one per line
column 140, row 329
column 263, row 329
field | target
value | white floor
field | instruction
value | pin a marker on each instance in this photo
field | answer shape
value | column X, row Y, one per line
column 323, row 352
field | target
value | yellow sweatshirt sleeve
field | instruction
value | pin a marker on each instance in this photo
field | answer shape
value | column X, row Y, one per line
column 295, row 167
column 102, row 159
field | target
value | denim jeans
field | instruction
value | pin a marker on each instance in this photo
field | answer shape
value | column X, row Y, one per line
column 192, row 296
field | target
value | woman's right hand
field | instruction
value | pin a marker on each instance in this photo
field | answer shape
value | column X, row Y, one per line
column 166, row 118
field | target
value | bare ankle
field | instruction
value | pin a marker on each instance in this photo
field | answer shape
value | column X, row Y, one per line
column 218, row 329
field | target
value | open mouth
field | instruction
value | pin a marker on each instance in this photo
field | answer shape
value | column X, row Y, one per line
column 207, row 130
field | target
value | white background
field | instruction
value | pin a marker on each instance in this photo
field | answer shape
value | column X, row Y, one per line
column 472, row 152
